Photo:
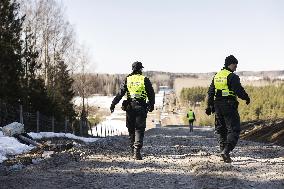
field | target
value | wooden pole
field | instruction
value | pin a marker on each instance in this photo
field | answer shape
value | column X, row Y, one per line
column 52, row 123
column 21, row 114
column 37, row 121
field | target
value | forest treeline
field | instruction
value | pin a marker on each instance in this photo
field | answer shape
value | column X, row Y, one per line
column 86, row 84
column 109, row 84
column 267, row 102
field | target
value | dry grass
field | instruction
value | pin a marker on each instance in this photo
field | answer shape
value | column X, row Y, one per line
column 180, row 83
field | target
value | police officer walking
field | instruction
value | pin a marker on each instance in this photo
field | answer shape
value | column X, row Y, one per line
column 138, row 89
column 222, row 98
column 191, row 118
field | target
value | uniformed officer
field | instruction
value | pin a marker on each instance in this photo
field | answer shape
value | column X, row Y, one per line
column 191, row 118
column 222, row 98
column 140, row 100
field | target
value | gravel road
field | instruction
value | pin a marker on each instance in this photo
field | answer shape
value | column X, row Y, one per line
column 173, row 158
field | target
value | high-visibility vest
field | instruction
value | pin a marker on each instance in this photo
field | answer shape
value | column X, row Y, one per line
column 136, row 87
column 190, row 115
column 221, row 83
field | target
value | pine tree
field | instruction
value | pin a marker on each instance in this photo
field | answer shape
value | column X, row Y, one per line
column 34, row 96
column 30, row 83
column 63, row 90
column 11, row 68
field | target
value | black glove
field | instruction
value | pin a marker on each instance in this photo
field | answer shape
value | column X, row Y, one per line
column 248, row 101
column 112, row 108
column 150, row 107
column 208, row 111
column 125, row 105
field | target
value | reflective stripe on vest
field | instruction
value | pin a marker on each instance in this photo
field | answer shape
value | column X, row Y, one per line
column 221, row 83
column 190, row 115
column 136, row 87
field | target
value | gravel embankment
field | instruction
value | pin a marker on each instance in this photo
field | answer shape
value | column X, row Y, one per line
column 173, row 158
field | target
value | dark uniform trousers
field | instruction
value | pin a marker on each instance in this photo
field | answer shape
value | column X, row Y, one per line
column 136, row 124
column 227, row 124
column 190, row 122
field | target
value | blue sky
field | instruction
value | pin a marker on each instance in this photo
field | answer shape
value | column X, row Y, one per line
column 179, row 35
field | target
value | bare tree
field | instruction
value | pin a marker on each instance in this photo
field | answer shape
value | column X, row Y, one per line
column 83, row 81
column 54, row 37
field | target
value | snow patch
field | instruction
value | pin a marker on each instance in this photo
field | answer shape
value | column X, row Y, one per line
column 64, row 135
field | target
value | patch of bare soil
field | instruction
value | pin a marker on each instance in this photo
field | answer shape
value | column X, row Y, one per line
column 269, row 131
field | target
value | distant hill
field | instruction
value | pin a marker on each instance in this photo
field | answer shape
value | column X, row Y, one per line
column 270, row 74
column 261, row 74
column 177, row 81
column 108, row 84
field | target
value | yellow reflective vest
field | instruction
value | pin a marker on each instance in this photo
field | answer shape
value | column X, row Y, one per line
column 136, row 87
column 221, row 83
column 190, row 115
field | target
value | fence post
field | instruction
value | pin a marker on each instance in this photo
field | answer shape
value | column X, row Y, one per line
column 72, row 126
column 91, row 128
column 52, row 123
column 21, row 114
column 81, row 130
column 37, row 121
column 66, row 124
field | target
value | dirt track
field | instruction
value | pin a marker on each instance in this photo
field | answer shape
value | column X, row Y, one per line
column 173, row 158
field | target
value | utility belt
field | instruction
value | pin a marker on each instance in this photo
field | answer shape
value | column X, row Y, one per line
column 228, row 100
column 225, row 99
column 132, row 104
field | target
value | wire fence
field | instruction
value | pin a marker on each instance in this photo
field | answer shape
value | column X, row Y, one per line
column 8, row 114
column 38, row 122
column 33, row 121
column 105, row 130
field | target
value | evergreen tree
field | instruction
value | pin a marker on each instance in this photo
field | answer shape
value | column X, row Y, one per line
column 35, row 96
column 11, row 68
column 63, row 90
column 30, row 82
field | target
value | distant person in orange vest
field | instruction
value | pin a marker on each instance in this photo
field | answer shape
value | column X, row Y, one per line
column 191, row 118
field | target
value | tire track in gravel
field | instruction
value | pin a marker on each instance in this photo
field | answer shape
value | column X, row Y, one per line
column 172, row 158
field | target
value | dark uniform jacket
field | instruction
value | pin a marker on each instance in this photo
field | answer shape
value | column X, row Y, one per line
column 148, row 87
column 234, row 84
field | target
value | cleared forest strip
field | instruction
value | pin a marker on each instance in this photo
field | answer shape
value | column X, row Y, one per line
column 173, row 157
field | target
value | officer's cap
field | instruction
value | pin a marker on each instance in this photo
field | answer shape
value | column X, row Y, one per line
column 137, row 65
column 230, row 60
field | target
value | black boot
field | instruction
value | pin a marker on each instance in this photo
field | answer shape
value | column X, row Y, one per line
column 226, row 156
column 137, row 154
column 131, row 143
column 222, row 147
column 132, row 151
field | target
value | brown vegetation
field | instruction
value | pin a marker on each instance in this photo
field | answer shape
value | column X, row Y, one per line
column 271, row 131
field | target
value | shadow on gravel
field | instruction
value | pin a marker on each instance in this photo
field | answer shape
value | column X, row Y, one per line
column 213, row 182
column 101, row 173
column 174, row 140
column 106, row 164
column 194, row 142
column 258, row 150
